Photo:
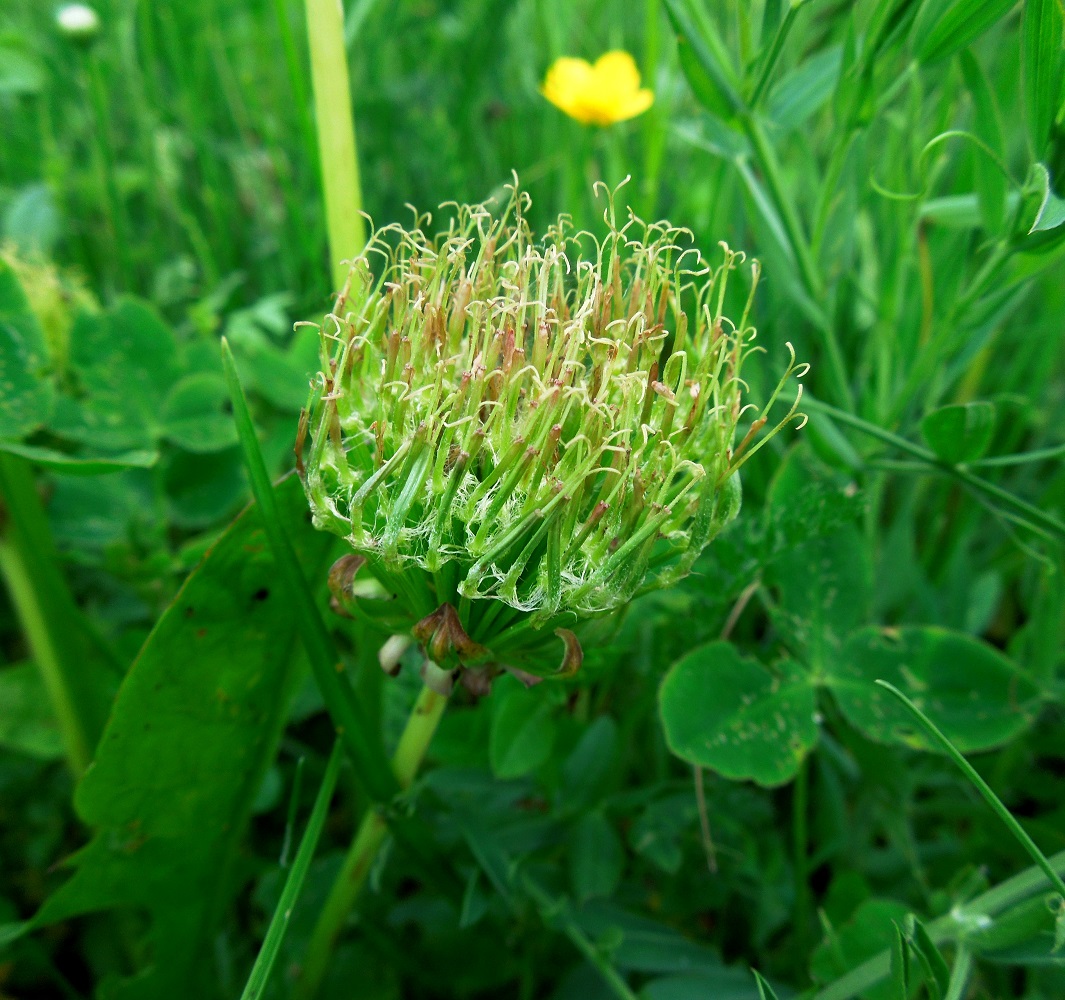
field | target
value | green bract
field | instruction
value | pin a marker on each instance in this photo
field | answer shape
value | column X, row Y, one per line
column 515, row 434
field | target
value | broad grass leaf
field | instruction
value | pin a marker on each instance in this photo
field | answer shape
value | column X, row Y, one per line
column 731, row 714
column 988, row 176
column 709, row 76
column 960, row 24
column 974, row 694
column 803, row 91
column 960, row 432
column 1043, row 60
column 193, row 729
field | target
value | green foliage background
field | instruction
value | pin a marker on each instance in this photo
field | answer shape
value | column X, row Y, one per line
column 723, row 787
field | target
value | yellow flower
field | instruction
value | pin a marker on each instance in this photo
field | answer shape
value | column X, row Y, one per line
column 602, row 94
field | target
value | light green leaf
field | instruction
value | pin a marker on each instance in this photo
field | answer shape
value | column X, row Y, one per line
column 708, row 74
column 959, row 433
column 804, row 90
column 722, row 711
column 1043, row 61
column 960, row 24
column 193, row 729
column 21, row 72
column 978, row 697
column 1051, row 212
column 989, row 178
column 31, row 221
column 81, row 465
column 26, row 398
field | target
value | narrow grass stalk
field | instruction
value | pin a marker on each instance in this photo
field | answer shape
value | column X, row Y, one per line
column 47, row 612
column 410, row 751
column 983, row 788
column 336, row 134
column 1012, row 506
column 347, row 714
column 275, row 934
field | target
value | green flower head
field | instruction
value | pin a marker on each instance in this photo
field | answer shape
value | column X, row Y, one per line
column 517, row 434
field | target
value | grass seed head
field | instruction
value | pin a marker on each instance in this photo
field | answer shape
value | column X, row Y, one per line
column 515, row 434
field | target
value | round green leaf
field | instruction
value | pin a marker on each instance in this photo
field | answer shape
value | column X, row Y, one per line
column 978, row 697
column 959, row 433
column 734, row 716
column 195, row 414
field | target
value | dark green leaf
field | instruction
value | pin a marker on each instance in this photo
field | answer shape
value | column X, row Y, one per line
column 523, row 731
column 192, row 732
column 195, row 414
column 26, row 721
column 959, row 433
column 978, row 697
column 732, row 715
column 596, row 858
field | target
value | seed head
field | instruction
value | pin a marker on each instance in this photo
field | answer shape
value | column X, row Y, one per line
column 516, row 434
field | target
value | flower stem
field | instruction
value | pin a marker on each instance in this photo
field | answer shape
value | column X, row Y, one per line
column 411, row 749
column 48, row 613
column 336, row 134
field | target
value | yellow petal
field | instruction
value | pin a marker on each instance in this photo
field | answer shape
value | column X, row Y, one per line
column 616, row 74
column 567, row 86
column 632, row 106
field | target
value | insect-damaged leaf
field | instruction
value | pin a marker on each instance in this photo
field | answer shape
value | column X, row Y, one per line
column 193, row 729
column 977, row 697
column 733, row 715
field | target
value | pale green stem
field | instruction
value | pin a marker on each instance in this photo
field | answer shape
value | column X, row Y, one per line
column 46, row 611
column 336, row 134
column 411, row 749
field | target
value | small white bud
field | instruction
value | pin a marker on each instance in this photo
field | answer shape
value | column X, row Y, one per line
column 78, row 21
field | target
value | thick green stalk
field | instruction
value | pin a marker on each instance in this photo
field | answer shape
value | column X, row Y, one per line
column 47, row 613
column 413, row 744
column 336, row 134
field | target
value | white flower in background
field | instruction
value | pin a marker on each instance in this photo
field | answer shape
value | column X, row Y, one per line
column 78, row 21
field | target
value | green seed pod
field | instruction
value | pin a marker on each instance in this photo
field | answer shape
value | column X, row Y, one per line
column 516, row 435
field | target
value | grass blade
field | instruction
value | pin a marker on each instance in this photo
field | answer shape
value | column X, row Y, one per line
column 275, row 933
column 983, row 788
column 351, row 726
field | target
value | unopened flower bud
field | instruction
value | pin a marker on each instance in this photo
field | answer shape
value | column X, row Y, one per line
column 519, row 433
